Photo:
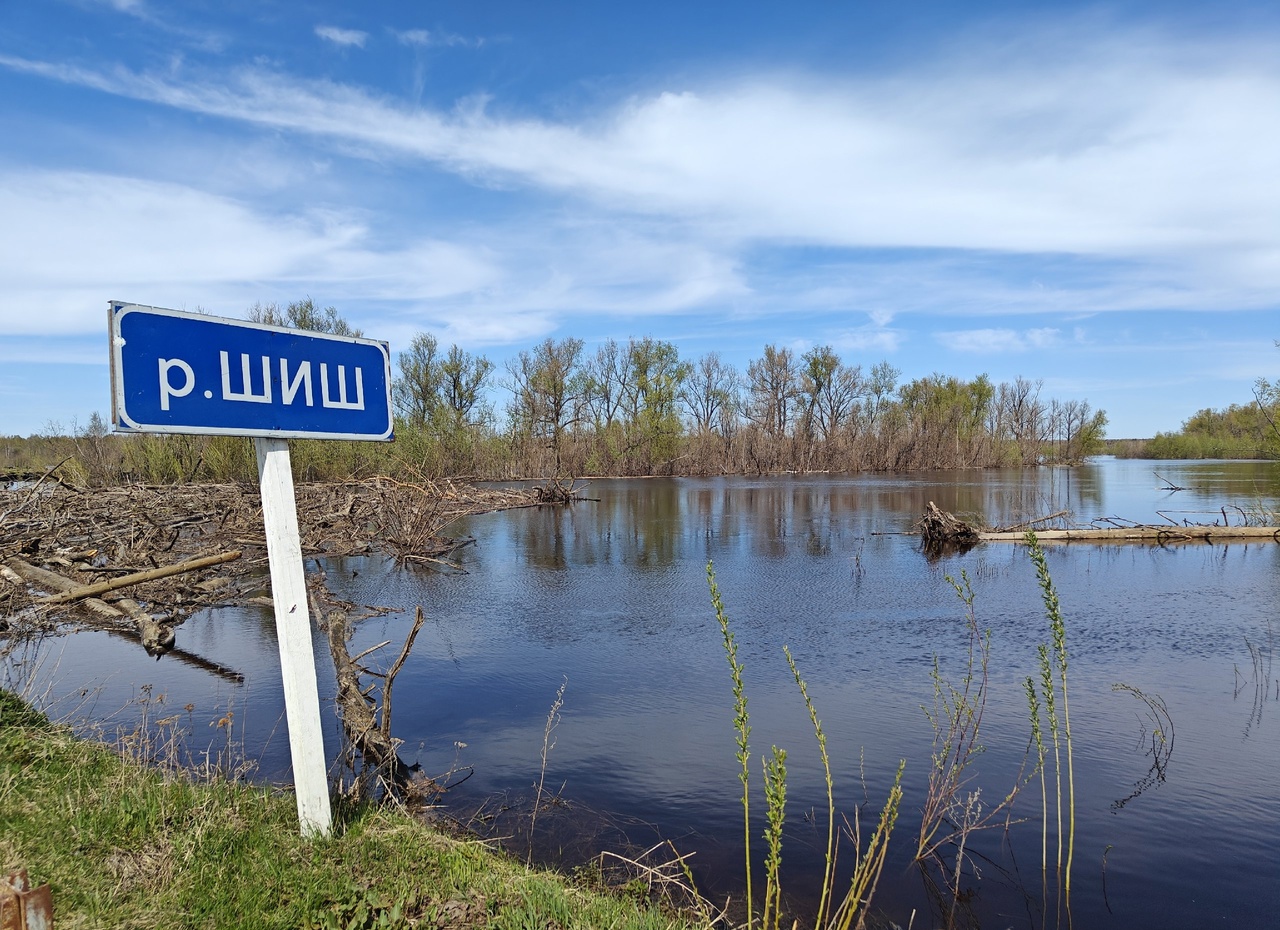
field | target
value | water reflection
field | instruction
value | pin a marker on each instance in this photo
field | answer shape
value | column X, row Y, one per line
column 612, row 594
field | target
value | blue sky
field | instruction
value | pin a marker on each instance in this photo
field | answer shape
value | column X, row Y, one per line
column 1084, row 194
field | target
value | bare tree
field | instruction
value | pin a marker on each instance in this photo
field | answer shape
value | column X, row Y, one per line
column 416, row 391
column 303, row 314
column 772, row 382
column 710, row 392
column 828, row 391
column 606, row 375
column 547, row 388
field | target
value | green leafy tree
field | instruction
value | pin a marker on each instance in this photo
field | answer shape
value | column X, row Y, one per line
column 652, row 392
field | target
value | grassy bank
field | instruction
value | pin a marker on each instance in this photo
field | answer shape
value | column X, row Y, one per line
column 126, row 845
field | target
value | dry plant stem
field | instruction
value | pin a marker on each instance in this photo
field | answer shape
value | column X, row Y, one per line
column 741, row 722
column 671, row 876
column 866, row 874
column 957, row 722
column 553, row 719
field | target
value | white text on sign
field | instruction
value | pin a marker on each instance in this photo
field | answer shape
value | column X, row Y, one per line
column 333, row 391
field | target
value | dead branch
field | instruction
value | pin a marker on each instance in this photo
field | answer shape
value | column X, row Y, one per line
column 360, row 712
column 394, row 671
column 1029, row 523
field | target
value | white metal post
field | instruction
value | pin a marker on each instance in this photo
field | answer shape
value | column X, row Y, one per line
column 293, row 630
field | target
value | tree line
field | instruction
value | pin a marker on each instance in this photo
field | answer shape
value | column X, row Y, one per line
column 638, row 408
column 1238, row 431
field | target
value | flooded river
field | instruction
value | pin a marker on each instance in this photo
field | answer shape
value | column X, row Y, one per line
column 1176, row 814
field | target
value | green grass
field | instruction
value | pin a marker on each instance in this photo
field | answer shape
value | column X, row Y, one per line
column 130, row 846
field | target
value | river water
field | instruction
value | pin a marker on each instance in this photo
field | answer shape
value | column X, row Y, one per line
column 1175, row 816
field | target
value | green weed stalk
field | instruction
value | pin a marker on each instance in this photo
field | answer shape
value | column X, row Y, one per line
column 828, row 876
column 1037, row 739
column 775, row 793
column 1058, row 630
column 867, row 868
column 741, row 723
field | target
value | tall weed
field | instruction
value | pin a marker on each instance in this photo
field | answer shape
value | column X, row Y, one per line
column 852, row 908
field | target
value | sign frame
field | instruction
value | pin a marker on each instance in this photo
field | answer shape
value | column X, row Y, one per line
column 133, row 366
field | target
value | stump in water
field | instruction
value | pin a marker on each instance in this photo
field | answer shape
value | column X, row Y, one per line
column 940, row 530
column 555, row 491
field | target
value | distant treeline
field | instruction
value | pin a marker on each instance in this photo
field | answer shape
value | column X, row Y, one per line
column 1241, row 431
column 634, row 408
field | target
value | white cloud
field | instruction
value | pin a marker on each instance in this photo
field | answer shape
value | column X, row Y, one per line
column 998, row 341
column 868, row 339
column 1123, row 176
column 427, row 38
column 340, row 36
column 72, row 241
column 1120, row 151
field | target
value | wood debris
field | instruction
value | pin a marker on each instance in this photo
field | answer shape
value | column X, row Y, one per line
column 72, row 555
column 941, row 531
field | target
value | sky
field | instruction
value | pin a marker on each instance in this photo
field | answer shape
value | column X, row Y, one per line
column 1087, row 195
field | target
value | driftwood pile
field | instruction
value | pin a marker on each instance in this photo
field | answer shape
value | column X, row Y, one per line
column 71, row 553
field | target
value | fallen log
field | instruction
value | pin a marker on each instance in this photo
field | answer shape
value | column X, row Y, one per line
column 124, row 581
column 157, row 636
column 47, row 579
column 1156, row 534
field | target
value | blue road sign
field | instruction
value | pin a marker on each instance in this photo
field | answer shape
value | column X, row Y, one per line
column 174, row 372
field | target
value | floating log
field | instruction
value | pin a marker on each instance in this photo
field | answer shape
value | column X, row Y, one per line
column 124, row 581
column 940, row 531
column 1153, row 534
column 47, row 579
column 157, row 636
